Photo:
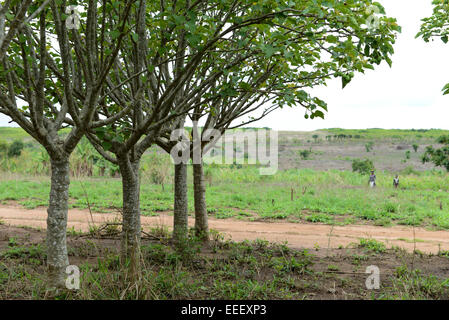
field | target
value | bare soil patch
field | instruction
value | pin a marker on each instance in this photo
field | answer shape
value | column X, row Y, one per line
column 337, row 274
column 297, row 235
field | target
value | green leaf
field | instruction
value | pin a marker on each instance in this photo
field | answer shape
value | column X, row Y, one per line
column 269, row 50
column 179, row 20
column 319, row 114
column 114, row 34
column 345, row 81
column 107, row 145
column 446, row 89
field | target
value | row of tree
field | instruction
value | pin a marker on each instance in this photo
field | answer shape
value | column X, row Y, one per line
column 128, row 74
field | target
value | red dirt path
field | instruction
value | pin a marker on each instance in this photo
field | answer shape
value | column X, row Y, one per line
column 297, row 235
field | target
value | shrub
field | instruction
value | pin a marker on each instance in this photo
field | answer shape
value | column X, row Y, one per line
column 304, row 154
column 415, row 147
column 15, row 149
column 362, row 166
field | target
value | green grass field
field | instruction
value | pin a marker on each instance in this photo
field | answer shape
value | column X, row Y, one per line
column 319, row 196
column 11, row 133
column 384, row 134
column 330, row 196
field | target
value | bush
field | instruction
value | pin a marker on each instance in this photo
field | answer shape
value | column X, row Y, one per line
column 304, row 154
column 15, row 149
column 362, row 166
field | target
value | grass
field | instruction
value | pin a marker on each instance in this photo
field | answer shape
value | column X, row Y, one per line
column 412, row 284
column 225, row 270
column 389, row 134
column 329, row 197
column 372, row 245
column 11, row 133
column 320, row 196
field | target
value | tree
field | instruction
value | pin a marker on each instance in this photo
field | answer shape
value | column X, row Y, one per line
column 269, row 82
column 59, row 86
column 155, row 71
column 184, row 55
column 439, row 157
column 13, row 19
column 437, row 26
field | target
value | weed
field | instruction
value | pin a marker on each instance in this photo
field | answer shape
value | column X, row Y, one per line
column 372, row 245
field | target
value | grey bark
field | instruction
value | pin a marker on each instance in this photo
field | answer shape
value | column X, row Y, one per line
column 57, row 259
column 180, row 226
column 131, row 225
column 199, row 193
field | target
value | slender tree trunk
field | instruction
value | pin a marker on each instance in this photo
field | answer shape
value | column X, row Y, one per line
column 180, row 226
column 131, row 226
column 57, row 259
column 199, row 186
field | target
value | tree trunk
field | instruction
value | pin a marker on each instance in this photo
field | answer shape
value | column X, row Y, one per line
column 199, row 186
column 57, row 259
column 180, row 226
column 131, row 226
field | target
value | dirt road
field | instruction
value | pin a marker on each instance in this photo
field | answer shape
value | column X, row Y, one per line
column 297, row 235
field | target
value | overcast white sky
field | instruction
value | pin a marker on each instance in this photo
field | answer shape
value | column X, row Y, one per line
column 406, row 96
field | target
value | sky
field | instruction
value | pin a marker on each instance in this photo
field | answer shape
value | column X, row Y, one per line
column 408, row 95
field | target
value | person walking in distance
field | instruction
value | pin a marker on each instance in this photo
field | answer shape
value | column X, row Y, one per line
column 396, row 182
column 372, row 179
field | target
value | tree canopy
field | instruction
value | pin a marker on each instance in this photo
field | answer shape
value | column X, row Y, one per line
column 437, row 26
column 439, row 157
